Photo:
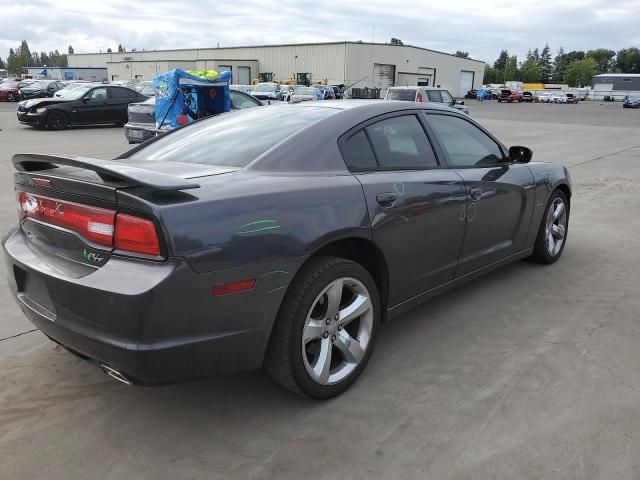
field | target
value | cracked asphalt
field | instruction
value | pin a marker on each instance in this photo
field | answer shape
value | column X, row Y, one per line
column 528, row 372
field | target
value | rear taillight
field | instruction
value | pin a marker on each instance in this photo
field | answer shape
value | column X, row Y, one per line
column 419, row 98
column 93, row 223
column 136, row 235
column 98, row 225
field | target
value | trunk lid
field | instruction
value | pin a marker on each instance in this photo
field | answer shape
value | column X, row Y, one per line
column 70, row 207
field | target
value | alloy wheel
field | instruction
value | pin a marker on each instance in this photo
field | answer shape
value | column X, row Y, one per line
column 337, row 331
column 556, row 226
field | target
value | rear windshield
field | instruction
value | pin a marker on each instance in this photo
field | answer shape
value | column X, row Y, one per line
column 406, row 94
column 232, row 139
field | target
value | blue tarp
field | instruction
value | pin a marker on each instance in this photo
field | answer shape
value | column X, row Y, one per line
column 180, row 93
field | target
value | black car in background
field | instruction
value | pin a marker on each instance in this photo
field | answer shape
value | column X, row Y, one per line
column 142, row 116
column 86, row 105
column 631, row 102
column 40, row 89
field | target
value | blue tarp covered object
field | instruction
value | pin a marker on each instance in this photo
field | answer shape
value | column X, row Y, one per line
column 181, row 93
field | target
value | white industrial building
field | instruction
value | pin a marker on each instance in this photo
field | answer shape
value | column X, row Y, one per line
column 353, row 64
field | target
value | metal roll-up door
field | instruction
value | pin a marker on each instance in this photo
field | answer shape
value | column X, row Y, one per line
column 244, row 75
column 383, row 75
column 466, row 83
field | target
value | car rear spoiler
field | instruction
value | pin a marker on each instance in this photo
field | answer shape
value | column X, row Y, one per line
column 106, row 169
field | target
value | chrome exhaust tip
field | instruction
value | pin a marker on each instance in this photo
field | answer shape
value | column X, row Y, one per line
column 113, row 373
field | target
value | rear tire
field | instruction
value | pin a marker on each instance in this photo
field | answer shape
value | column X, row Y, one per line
column 57, row 121
column 11, row 97
column 326, row 328
column 554, row 227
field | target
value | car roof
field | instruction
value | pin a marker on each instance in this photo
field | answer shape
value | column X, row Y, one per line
column 413, row 87
column 377, row 107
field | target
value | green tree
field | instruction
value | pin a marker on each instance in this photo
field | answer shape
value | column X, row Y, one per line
column 574, row 55
column 396, row 41
column 580, row 72
column 70, row 50
column 560, row 66
column 501, row 62
column 530, row 71
column 628, row 60
column 121, row 48
column 461, row 54
column 44, row 58
column 493, row 75
column 2, row 64
column 603, row 58
column 545, row 64
column 511, row 72
column 109, row 50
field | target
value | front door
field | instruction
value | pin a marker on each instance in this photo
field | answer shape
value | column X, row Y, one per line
column 90, row 109
column 500, row 194
column 416, row 207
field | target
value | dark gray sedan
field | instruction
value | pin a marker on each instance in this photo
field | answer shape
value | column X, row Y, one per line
column 223, row 246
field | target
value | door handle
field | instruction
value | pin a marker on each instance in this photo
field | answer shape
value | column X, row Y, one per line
column 386, row 199
column 475, row 193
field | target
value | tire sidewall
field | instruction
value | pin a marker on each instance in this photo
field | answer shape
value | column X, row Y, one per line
column 54, row 115
column 300, row 375
column 541, row 242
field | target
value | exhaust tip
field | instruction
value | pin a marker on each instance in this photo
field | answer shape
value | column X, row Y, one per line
column 113, row 373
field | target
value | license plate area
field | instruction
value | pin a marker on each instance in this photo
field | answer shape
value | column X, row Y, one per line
column 33, row 293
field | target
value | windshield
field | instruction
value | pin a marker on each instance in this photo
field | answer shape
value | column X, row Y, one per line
column 265, row 87
column 406, row 94
column 232, row 140
column 9, row 84
column 41, row 84
column 77, row 93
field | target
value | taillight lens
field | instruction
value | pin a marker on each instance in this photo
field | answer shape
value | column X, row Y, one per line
column 419, row 98
column 98, row 225
column 133, row 234
column 93, row 223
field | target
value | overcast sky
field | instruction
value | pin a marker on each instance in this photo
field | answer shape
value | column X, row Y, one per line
column 482, row 28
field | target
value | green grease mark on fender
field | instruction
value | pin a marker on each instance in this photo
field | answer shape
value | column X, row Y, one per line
column 398, row 187
column 258, row 226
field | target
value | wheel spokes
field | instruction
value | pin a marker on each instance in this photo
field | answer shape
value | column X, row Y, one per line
column 558, row 209
column 354, row 310
column 322, row 365
column 351, row 348
column 313, row 330
column 334, row 295
column 558, row 231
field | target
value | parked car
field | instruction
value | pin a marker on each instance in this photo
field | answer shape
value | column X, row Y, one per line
column 286, row 91
column 571, row 98
column 242, row 88
column 9, row 91
column 338, row 91
column 87, row 105
column 545, row 97
column 40, row 89
column 222, row 246
column 267, row 91
column 142, row 116
column 509, row 96
column 631, row 102
column 558, row 97
column 306, row 94
column 529, row 97
column 425, row 94
column 327, row 91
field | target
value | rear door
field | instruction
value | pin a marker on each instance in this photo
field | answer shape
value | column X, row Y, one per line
column 500, row 194
column 415, row 206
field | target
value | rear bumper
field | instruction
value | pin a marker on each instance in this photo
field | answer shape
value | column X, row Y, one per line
column 154, row 322
column 136, row 133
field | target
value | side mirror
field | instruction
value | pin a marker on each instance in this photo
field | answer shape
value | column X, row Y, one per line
column 460, row 102
column 85, row 99
column 520, row 154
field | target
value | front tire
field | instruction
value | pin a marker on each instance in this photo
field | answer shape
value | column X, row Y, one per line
column 552, row 234
column 11, row 97
column 57, row 121
column 326, row 328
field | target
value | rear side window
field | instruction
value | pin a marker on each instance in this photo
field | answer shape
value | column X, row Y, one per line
column 434, row 96
column 232, row 139
column 400, row 142
column 406, row 94
column 357, row 152
column 446, row 97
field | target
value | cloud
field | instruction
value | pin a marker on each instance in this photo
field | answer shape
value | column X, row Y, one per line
column 481, row 28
